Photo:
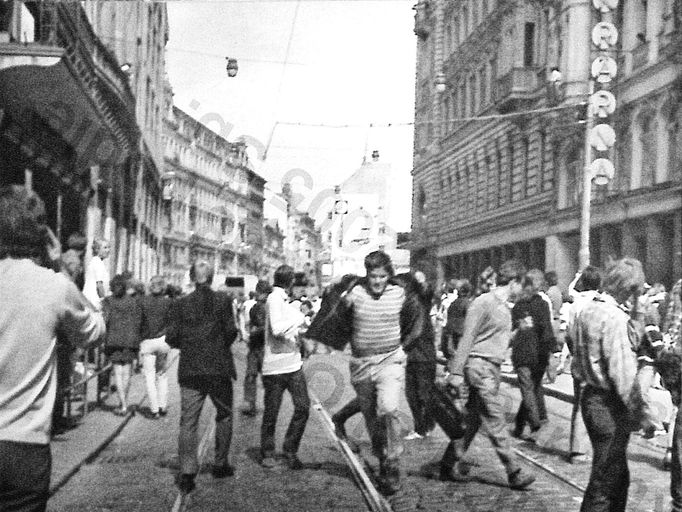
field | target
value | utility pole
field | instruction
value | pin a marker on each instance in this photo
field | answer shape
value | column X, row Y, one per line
column 586, row 198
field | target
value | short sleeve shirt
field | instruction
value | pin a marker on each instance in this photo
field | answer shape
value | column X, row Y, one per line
column 96, row 271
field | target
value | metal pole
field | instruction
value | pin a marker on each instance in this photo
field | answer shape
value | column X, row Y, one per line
column 586, row 198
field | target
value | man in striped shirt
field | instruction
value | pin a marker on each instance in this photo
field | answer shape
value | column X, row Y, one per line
column 385, row 321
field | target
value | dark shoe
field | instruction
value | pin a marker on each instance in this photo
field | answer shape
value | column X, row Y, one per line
column 249, row 410
column 222, row 471
column 389, row 478
column 519, row 479
column 339, row 428
column 458, row 473
column 293, row 461
column 163, row 412
column 185, row 483
column 667, row 459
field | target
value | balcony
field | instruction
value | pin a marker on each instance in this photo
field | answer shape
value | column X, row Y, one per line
column 65, row 73
column 516, row 89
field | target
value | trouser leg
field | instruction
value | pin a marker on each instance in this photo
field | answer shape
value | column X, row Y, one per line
column 221, row 396
column 367, row 400
column 191, row 402
column 272, row 400
column 299, row 396
column 676, row 464
column 24, row 476
column 389, row 388
column 149, row 369
column 528, row 409
column 251, row 376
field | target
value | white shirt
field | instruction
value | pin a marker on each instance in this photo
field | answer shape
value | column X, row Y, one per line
column 282, row 323
column 96, row 271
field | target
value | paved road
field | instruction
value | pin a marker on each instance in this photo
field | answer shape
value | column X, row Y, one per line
column 136, row 471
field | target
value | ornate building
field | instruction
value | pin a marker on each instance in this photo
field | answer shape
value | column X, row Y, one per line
column 304, row 245
column 67, row 120
column 499, row 140
column 212, row 202
column 273, row 248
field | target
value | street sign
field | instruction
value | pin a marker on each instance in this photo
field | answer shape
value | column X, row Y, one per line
column 605, row 5
column 602, row 103
column 604, row 35
column 604, row 69
column 602, row 137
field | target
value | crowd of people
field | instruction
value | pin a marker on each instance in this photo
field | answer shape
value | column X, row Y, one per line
column 615, row 334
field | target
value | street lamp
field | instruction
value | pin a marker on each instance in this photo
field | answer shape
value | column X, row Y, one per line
column 232, row 67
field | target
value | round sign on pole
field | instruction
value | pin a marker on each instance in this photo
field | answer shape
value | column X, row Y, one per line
column 602, row 137
column 605, row 5
column 604, row 69
column 603, row 103
column 602, row 170
column 604, row 35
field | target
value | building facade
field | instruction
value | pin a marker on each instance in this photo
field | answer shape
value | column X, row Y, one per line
column 67, row 120
column 273, row 248
column 304, row 246
column 212, row 203
column 137, row 33
column 499, row 137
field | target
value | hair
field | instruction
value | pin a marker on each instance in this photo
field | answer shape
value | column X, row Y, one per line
column 23, row 232
column 379, row 259
column 201, row 272
column 97, row 244
column 118, row 285
column 283, row 277
column 487, row 279
column 77, row 242
column 551, row 278
column 590, row 279
column 510, row 270
column 263, row 287
column 465, row 288
column 534, row 279
column 307, row 304
column 252, row 295
column 624, row 278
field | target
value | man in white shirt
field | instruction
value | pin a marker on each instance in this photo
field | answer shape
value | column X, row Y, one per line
column 282, row 371
column 97, row 279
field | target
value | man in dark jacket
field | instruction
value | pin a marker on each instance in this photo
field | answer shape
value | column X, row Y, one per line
column 202, row 326
column 254, row 359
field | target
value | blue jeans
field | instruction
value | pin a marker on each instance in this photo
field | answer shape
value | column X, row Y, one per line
column 254, row 365
column 532, row 409
column 274, row 386
column 192, row 399
column 24, row 476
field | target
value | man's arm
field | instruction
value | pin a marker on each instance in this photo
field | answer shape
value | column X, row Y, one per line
column 472, row 324
column 82, row 324
column 620, row 358
column 173, row 325
column 283, row 320
column 412, row 320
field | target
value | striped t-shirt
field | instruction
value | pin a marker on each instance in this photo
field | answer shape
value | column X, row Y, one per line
column 376, row 322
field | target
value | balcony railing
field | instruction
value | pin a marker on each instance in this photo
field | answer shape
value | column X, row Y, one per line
column 517, row 86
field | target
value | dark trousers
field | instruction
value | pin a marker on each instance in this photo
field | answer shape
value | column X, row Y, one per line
column 24, row 476
column 532, row 409
column 419, row 381
column 606, row 419
column 192, row 397
column 254, row 365
column 676, row 464
column 274, row 386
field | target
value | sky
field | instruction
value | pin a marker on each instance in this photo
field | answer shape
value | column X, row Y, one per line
column 344, row 64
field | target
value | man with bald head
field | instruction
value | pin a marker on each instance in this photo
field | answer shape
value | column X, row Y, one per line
column 202, row 326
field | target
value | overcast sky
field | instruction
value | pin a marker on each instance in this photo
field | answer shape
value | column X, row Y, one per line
column 349, row 62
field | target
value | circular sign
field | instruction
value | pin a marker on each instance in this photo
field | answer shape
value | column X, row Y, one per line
column 604, row 35
column 602, row 171
column 341, row 207
column 605, row 5
column 602, row 103
column 604, row 69
column 602, row 137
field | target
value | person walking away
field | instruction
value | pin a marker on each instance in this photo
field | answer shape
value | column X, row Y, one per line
column 531, row 346
column 35, row 304
column 254, row 359
column 282, row 371
column 96, row 285
column 420, row 372
column 475, row 373
column 455, row 318
column 605, row 364
column 154, row 351
column 385, row 324
column 202, row 326
column 583, row 290
column 123, row 317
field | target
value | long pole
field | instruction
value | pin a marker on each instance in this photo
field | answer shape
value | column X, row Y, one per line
column 584, row 253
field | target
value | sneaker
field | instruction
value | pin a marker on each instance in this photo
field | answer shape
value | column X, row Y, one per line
column 270, row 462
column 185, row 483
column 293, row 461
column 413, row 435
column 222, row 471
column 519, row 479
column 339, row 428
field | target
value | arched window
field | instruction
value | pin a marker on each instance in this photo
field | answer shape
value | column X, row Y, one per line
column 569, row 194
column 647, row 140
